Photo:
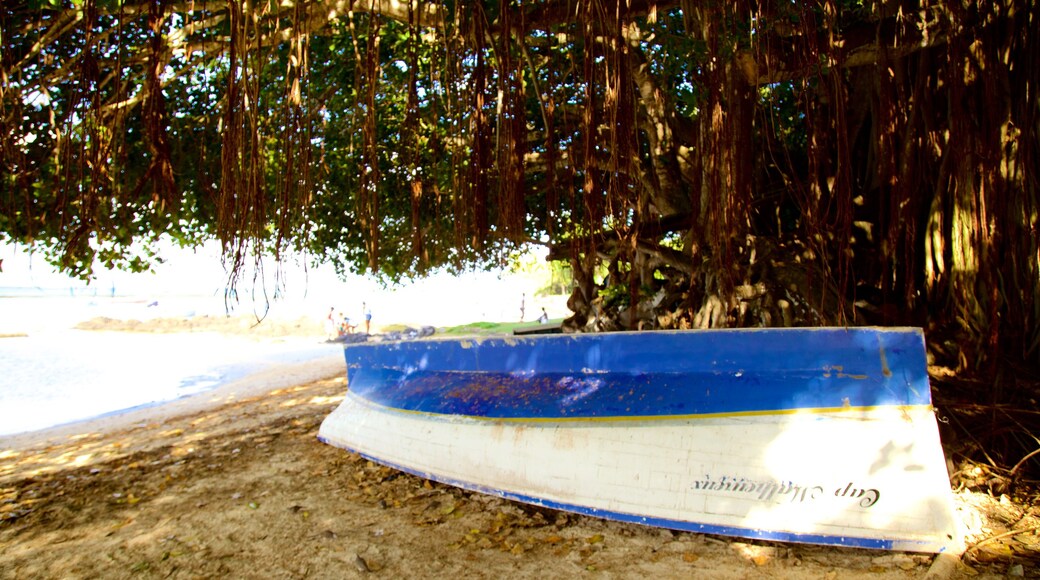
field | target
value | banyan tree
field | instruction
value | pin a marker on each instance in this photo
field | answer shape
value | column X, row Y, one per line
column 699, row 164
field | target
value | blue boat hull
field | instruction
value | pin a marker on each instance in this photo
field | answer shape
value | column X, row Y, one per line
column 810, row 435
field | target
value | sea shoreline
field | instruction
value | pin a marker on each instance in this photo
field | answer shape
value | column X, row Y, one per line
column 279, row 376
column 98, row 368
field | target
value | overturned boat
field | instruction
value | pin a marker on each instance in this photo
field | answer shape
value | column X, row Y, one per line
column 823, row 435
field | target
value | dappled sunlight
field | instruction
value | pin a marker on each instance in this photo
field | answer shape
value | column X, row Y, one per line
column 334, row 400
column 201, row 421
column 130, row 489
column 756, row 554
column 323, row 401
column 81, row 460
column 879, row 469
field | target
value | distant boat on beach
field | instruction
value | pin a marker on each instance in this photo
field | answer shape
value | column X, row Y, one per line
column 822, row 435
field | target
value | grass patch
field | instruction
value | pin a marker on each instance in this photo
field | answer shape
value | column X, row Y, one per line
column 471, row 328
column 489, row 327
column 394, row 328
column 483, row 328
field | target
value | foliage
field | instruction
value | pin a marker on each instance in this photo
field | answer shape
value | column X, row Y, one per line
column 726, row 164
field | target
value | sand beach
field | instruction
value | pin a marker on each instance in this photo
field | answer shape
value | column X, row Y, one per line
column 234, row 483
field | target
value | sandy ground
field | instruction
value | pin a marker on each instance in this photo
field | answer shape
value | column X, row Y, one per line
column 234, row 483
column 238, row 325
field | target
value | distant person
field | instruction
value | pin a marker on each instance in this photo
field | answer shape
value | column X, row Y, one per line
column 544, row 317
column 368, row 321
column 330, row 324
column 523, row 299
column 344, row 326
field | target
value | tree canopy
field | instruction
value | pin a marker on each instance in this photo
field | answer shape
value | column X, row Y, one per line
column 698, row 163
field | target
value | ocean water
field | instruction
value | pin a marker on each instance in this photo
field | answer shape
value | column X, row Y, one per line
column 51, row 374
